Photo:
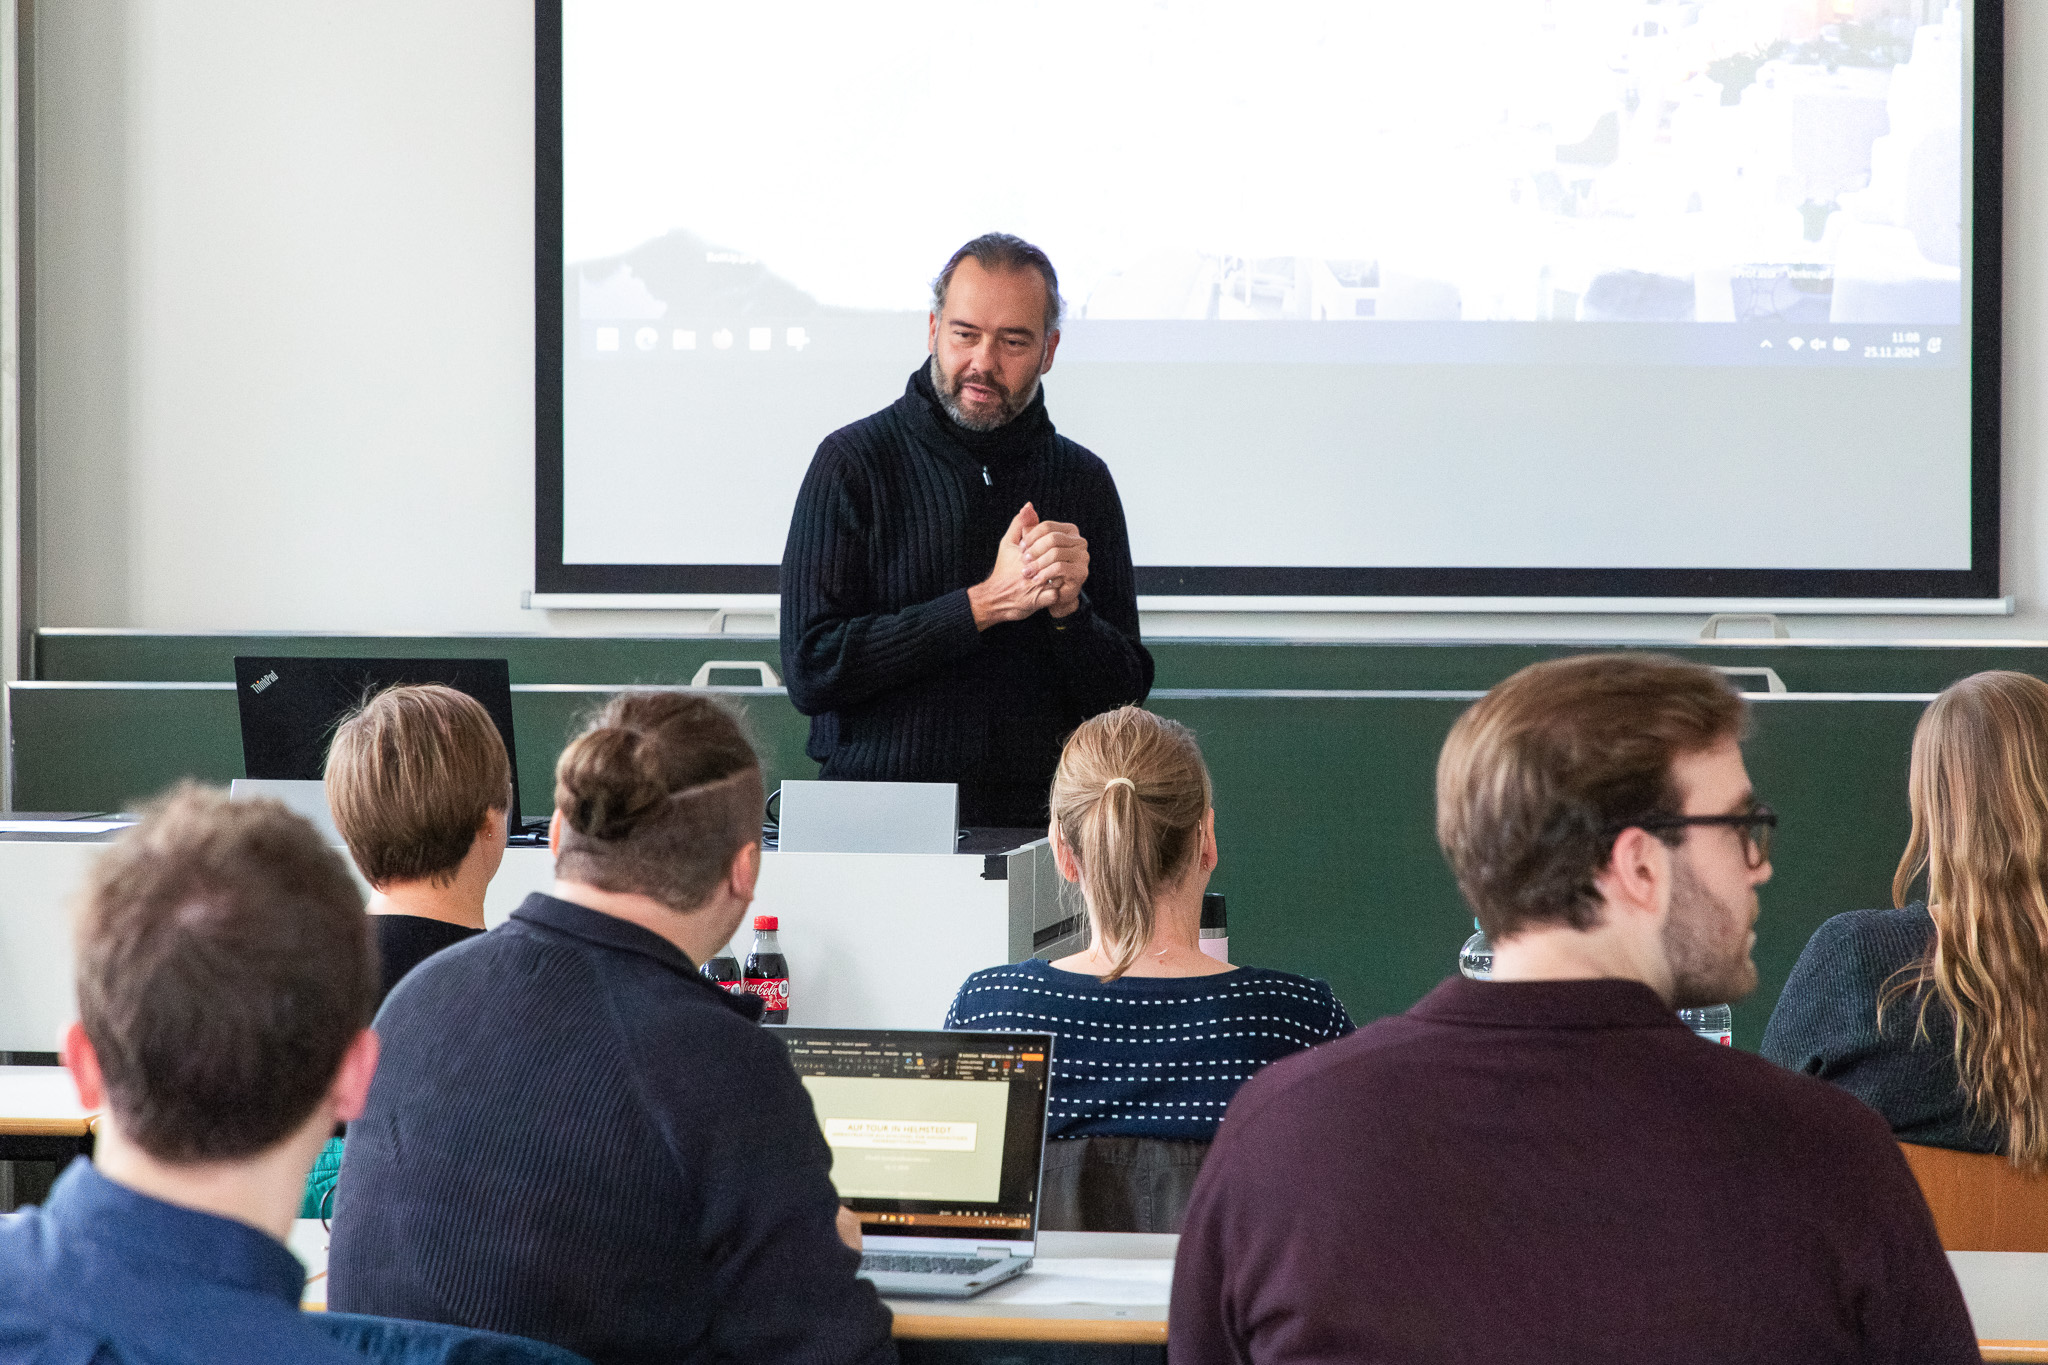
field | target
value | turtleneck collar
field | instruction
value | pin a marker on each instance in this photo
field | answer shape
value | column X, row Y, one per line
column 1014, row 440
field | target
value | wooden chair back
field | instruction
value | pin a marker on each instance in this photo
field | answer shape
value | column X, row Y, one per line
column 1980, row 1202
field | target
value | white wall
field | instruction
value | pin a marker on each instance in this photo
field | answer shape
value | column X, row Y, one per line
column 284, row 317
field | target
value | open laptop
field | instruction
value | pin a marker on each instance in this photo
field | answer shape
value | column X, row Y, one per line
column 290, row 707
column 868, row 817
column 937, row 1143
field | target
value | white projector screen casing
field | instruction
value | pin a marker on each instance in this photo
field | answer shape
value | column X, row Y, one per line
column 1391, row 318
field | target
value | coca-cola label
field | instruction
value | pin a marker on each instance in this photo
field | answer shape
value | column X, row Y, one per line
column 1724, row 1039
column 774, row 991
column 734, row 987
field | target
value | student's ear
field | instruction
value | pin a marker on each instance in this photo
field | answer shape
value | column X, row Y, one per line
column 84, row 1064
column 351, row 1088
column 1062, row 856
column 1209, row 856
column 1637, row 878
column 495, row 826
column 745, row 872
column 555, row 835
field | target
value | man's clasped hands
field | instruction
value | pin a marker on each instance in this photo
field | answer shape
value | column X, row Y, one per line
column 1039, row 565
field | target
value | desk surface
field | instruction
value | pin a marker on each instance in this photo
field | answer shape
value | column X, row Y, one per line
column 40, row 1101
column 1122, row 1297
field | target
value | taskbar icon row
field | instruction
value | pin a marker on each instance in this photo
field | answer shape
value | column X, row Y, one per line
column 689, row 338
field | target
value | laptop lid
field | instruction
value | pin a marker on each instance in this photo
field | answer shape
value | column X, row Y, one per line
column 308, row 799
column 937, row 1138
column 869, row 817
column 291, row 706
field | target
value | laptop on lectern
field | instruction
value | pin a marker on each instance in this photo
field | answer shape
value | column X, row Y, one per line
column 290, row 708
column 938, row 1140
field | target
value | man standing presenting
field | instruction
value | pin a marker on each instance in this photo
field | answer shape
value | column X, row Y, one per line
column 957, row 592
column 1549, row 1166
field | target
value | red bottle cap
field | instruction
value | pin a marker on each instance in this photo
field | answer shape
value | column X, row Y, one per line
column 764, row 922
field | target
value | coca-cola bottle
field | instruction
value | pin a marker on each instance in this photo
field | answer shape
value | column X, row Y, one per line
column 767, row 974
column 724, row 970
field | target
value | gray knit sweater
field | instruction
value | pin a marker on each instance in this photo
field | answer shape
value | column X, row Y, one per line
column 1825, row 1025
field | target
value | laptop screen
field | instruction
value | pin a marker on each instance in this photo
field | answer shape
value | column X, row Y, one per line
column 290, row 707
column 932, row 1134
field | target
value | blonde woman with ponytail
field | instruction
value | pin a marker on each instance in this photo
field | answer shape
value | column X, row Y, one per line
column 1935, row 1013
column 1153, row 1036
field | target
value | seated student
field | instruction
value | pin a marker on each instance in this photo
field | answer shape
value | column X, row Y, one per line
column 1153, row 1035
column 577, row 1138
column 1935, row 1013
column 225, row 987
column 1549, row 1166
column 419, row 785
column 418, row 782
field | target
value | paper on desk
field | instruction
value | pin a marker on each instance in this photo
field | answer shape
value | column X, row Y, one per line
column 1092, row 1279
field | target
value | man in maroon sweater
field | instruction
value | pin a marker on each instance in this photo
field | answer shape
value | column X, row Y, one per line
column 1548, row 1166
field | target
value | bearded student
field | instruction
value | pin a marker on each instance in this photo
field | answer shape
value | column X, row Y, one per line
column 957, row 591
column 1549, row 1164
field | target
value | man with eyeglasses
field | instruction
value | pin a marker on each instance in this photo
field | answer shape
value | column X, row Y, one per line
column 1549, row 1166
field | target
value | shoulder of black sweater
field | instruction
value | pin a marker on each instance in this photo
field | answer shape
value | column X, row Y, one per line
column 1869, row 943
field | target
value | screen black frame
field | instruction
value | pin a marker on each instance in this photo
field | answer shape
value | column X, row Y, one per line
column 1980, row 581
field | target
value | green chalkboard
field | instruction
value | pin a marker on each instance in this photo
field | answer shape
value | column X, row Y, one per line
column 1325, row 807
column 1804, row 666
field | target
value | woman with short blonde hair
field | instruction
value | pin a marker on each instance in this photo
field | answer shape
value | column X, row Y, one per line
column 1153, row 1035
column 1935, row 1013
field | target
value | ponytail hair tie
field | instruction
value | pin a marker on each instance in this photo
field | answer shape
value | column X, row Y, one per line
column 1125, row 780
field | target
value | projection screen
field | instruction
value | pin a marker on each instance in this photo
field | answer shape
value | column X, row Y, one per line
column 1504, row 298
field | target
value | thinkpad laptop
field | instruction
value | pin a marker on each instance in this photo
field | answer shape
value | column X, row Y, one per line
column 290, row 708
column 937, row 1142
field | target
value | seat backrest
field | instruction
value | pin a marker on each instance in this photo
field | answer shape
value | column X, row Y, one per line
column 397, row 1341
column 1980, row 1202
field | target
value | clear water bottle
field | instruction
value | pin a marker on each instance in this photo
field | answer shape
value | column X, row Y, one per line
column 1475, row 959
column 1715, row 1023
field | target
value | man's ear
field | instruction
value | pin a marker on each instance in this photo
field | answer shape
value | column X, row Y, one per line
column 351, row 1089
column 555, row 835
column 1052, row 343
column 745, row 873
column 931, row 333
column 1637, row 878
column 84, row 1064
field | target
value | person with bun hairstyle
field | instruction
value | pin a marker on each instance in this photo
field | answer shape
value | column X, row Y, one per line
column 1935, row 1012
column 1153, row 1036
column 574, row 1136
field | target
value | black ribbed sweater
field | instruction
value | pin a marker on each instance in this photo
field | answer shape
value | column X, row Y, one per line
column 1825, row 1024
column 899, row 515
column 572, row 1136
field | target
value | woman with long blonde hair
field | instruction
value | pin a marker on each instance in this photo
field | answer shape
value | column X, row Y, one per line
column 1935, row 1013
column 1153, row 1036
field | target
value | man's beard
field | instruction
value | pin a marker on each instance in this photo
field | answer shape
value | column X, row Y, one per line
column 1705, row 970
column 1008, row 405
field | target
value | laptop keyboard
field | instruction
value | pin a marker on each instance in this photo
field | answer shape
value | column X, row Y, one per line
column 885, row 1262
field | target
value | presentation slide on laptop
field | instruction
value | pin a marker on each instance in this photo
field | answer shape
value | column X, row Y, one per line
column 913, row 1139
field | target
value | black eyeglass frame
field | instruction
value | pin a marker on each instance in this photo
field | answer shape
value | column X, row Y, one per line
column 1754, row 825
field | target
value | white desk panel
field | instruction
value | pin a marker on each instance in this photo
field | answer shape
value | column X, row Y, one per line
column 873, row 940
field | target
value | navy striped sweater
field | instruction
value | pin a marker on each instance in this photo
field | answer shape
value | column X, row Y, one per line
column 1150, row 1056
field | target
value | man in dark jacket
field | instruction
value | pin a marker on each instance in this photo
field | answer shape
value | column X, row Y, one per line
column 957, row 592
column 578, row 1138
